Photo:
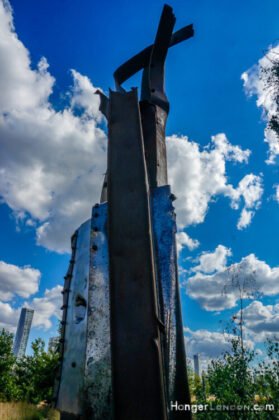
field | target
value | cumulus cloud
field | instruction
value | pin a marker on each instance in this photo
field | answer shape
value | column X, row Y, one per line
column 219, row 289
column 198, row 176
column 22, row 89
column 245, row 219
column 84, row 96
column 52, row 163
column 261, row 321
column 46, row 308
column 251, row 190
column 209, row 344
column 210, row 262
column 20, row 281
column 8, row 317
column 258, row 81
column 23, row 282
column 183, row 239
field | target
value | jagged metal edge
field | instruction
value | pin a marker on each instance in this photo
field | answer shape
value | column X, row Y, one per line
column 164, row 227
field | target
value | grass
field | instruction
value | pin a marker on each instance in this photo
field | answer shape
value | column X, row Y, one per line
column 24, row 411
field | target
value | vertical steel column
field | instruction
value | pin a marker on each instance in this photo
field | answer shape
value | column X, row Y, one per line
column 154, row 111
column 153, row 125
column 137, row 365
column 164, row 228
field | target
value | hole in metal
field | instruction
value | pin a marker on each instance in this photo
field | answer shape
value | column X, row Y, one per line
column 80, row 309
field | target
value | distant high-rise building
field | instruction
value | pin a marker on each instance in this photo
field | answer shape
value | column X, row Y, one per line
column 53, row 344
column 197, row 364
column 22, row 332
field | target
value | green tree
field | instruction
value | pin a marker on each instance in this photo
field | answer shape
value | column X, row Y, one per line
column 268, row 374
column 229, row 382
column 191, row 378
column 35, row 374
column 230, row 377
column 198, row 386
column 7, row 360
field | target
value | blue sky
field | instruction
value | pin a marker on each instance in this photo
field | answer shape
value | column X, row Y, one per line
column 207, row 96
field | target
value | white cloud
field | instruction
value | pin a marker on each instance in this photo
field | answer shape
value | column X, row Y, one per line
column 46, row 307
column 21, row 281
column 245, row 219
column 52, row 163
column 183, row 239
column 273, row 143
column 24, row 282
column 257, row 82
column 276, row 192
column 209, row 344
column 198, row 176
column 84, row 96
column 250, row 189
column 261, row 321
column 8, row 317
column 213, row 261
column 218, row 291
column 21, row 88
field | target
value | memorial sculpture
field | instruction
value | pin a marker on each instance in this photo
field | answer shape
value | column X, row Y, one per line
column 122, row 343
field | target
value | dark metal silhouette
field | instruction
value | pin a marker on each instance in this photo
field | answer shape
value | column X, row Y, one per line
column 137, row 366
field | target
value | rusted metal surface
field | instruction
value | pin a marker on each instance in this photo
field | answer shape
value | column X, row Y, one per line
column 153, row 78
column 153, row 126
column 137, row 365
column 164, row 227
column 140, row 60
column 70, row 394
column 98, row 388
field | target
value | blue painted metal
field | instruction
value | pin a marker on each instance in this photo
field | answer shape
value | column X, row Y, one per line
column 164, row 229
column 70, row 392
column 98, row 386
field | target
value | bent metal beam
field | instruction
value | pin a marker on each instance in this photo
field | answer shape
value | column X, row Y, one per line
column 122, row 297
